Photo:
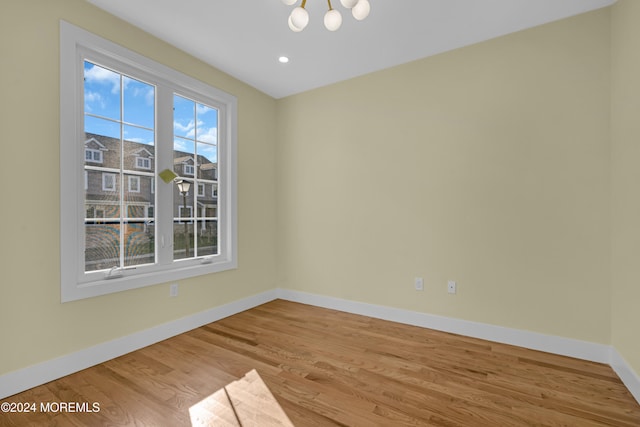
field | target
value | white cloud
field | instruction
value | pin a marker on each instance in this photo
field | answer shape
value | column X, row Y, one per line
column 209, row 152
column 209, row 135
column 93, row 98
column 202, row 109
column 147, row 92
column 150, row 96
column 180, row 145
column 100, row 75
column 187, row 130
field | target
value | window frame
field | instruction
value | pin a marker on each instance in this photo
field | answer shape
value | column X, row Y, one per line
column 93, row 152
column 146, row 163
column 130, row 180
column 113, row 176
column 76, row 46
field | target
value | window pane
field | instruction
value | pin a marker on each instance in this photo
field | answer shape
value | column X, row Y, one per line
column 136, row 211
column 102, row 245
column 107, row 187
column 102, row 127
column 101, row 152
column 207, row 124
column 139, row 103
column 183, row 117
column 139, row 135
column 101, row 91
column 139, row 243
column 209, row 210
column 207, row 232
column 182, row 200
column 207, row 161
column 183, row 238
column 208, row 153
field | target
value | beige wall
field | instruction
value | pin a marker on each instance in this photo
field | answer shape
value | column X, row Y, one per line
column 36, row 327
column 625, row 161
column 488, row 165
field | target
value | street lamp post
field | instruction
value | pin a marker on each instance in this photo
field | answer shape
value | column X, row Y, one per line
column 183, row 187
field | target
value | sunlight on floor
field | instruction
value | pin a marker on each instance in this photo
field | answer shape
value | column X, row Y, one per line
column 246, row 402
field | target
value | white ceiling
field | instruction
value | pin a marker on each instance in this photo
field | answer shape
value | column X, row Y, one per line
column 245, row 38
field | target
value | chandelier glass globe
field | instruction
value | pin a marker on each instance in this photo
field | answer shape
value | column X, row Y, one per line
column 293, row 27
column 361, row 9
column 299, row 17
column 348, row 3
column 332, row 20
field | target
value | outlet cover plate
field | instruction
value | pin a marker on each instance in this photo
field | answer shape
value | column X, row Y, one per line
column 452, row 287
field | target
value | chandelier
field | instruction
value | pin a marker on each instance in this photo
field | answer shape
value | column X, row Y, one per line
column 299, row 17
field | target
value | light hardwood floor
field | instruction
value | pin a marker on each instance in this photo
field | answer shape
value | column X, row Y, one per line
column 329, row 368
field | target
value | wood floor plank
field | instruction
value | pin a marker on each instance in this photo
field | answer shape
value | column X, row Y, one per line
column 330, row 368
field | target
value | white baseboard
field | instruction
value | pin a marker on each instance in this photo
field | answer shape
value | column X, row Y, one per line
column 584, row 350
column 32, row 376
column 628, row 376
column 533, row 340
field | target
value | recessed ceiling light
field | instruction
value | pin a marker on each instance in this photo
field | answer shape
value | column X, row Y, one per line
column 283, row 59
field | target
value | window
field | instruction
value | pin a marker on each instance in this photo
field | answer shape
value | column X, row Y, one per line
column 143, row 163
column 91, row 155
column 108, row 182
column 144, row 118
column 134, row 184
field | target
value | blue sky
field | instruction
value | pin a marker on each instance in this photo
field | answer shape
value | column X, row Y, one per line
column 195, row 125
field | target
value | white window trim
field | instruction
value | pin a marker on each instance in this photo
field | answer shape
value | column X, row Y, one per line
column 146, row 163
column 104, row 181
column 201, row 189
column 76, row 45
column 130, row 180
column 93, row 151
column 189, row 169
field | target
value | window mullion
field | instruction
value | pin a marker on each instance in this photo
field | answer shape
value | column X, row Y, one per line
column 123, row 207
column 164, row 160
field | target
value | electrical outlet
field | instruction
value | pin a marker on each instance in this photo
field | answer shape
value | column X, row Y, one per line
column 173, row 290
column 451, row 287
column 418, row 283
